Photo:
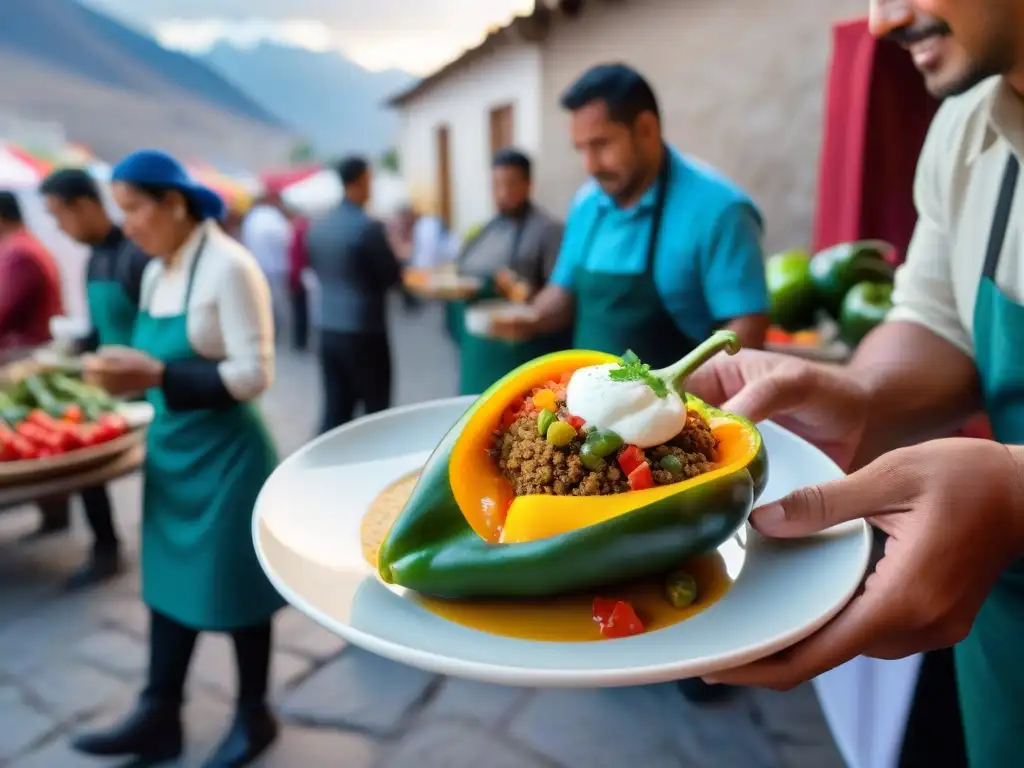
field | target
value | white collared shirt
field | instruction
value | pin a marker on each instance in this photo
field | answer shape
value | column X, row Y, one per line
column 229, row 313
column 958, row 180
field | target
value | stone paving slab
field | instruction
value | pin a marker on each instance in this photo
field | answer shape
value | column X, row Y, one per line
column 359, row 691
column 458, row 745
column 22, row 724
column 477, row 703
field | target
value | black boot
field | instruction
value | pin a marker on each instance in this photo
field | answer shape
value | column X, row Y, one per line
column 252, row 732
column 103, row 565
column 152, row 732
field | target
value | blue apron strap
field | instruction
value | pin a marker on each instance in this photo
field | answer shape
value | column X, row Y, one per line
column 997, row 234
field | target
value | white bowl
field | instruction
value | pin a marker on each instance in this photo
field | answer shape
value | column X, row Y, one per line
column 480, row 315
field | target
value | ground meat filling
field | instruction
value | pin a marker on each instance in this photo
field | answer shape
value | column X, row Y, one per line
column 533, row 465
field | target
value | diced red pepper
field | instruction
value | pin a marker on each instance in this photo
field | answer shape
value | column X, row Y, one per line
column 641, row 478
column 603, row 608
column 631, row 458
column 616, row 618
column 575, row 422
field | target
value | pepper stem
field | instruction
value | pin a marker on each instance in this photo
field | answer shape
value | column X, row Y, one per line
column 676, row 374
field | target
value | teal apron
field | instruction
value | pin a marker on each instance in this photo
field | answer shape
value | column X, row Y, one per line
column 990, row 661
column 111, row 310
column 616, row 312
column 204, row 469
column 482, row 361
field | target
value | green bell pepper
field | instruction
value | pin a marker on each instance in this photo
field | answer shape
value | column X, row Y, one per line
column 837, row 269
column 462, row 534
column 794, row 299
column 864, row 308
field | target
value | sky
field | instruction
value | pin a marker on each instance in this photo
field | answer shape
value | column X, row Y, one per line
column 415, row 35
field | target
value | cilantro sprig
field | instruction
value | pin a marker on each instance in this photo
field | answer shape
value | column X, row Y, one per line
column 631, row 369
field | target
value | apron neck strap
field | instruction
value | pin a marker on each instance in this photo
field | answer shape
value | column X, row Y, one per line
column 191, row 277
column 1001, row 218
column 664, row 177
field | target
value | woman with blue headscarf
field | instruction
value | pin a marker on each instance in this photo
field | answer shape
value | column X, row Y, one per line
column 203, row 351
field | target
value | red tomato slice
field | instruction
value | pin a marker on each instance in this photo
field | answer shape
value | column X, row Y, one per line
column 574, row 421
column 640, row 479
column 631, row 458
column 603, row 608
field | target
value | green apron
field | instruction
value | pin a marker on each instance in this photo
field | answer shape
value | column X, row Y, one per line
column 111, row 311
column 204, row 469
column 482, row 361
column 990, row 661
column 616, row 312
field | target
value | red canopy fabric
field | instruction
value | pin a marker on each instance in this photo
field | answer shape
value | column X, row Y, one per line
column 876, row 118
column 276, row 181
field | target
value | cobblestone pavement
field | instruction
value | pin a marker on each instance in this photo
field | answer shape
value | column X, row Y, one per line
column 71, row 661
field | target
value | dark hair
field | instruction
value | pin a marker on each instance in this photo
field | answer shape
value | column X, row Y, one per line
column 10, row 208
column 159, row 192
column 512, row 158
column 71, row 184
column 352, row 169
column 624, row 90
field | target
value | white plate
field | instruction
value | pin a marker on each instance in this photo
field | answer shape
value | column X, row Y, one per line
column 306, row 531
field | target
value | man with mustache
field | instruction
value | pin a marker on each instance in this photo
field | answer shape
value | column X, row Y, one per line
column 953, row 569
column 659, row 249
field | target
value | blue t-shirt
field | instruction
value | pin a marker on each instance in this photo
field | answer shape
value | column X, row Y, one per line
column 709, row 266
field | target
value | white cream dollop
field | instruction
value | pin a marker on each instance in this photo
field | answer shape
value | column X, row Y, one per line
column 631, row 409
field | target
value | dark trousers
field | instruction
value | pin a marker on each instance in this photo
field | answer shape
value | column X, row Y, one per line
column 98, row 513
column 170, row 651
column 934, row 735
column 300, row 317
column 356, row 370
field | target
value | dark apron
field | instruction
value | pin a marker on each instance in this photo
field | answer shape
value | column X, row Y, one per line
column 482, row 361
column 990, row 661
column 616, row 312
column 204, row 469
column 111, row 310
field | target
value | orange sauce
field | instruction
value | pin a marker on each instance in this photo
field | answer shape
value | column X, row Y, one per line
column 570, row 619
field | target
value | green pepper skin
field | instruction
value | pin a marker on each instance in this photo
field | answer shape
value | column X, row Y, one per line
column 865, row 308
column 433, row 550
column 837, row 269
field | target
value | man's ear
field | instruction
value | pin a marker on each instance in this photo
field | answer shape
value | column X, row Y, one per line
column 647, row 126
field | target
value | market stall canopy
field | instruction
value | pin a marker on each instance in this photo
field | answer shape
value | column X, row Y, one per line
column 15, row 172
column 275, row 181
column 316, row 193
column 877, row 115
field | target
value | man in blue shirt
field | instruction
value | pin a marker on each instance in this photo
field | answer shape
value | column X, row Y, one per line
column 659, row 249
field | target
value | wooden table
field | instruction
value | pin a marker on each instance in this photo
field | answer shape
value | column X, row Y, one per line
column 121, row 465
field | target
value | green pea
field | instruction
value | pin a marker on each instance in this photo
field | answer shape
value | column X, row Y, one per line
column 672, row 464
column 603, row 442
column 589, row 459
column 560, row 434
column 681, row 589
column 544, row 420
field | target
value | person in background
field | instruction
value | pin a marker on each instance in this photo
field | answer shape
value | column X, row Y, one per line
column 30, row 285
column 952, row 573
column 113, row 278
column 356, row 267
column 203, row 353
column 514, row 254
column 298, row 261
column 659, row 249
column 267, row 233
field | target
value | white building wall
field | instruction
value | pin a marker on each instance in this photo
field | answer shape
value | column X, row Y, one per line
column 463, row 100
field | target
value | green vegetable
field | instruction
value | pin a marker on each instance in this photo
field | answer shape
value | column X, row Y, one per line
column 93, row 400
column 10, row 411
column 864, row 308
column 681, row 589
column 672, row 464
column 794, row 299
column 602, row 442
column 43, row 398
column 544, row 420
column 589, row 459
column 631, row 369
column 837, row 269
column 560, row 434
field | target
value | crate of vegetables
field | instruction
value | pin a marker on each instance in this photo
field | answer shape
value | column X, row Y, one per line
column 54, row 424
